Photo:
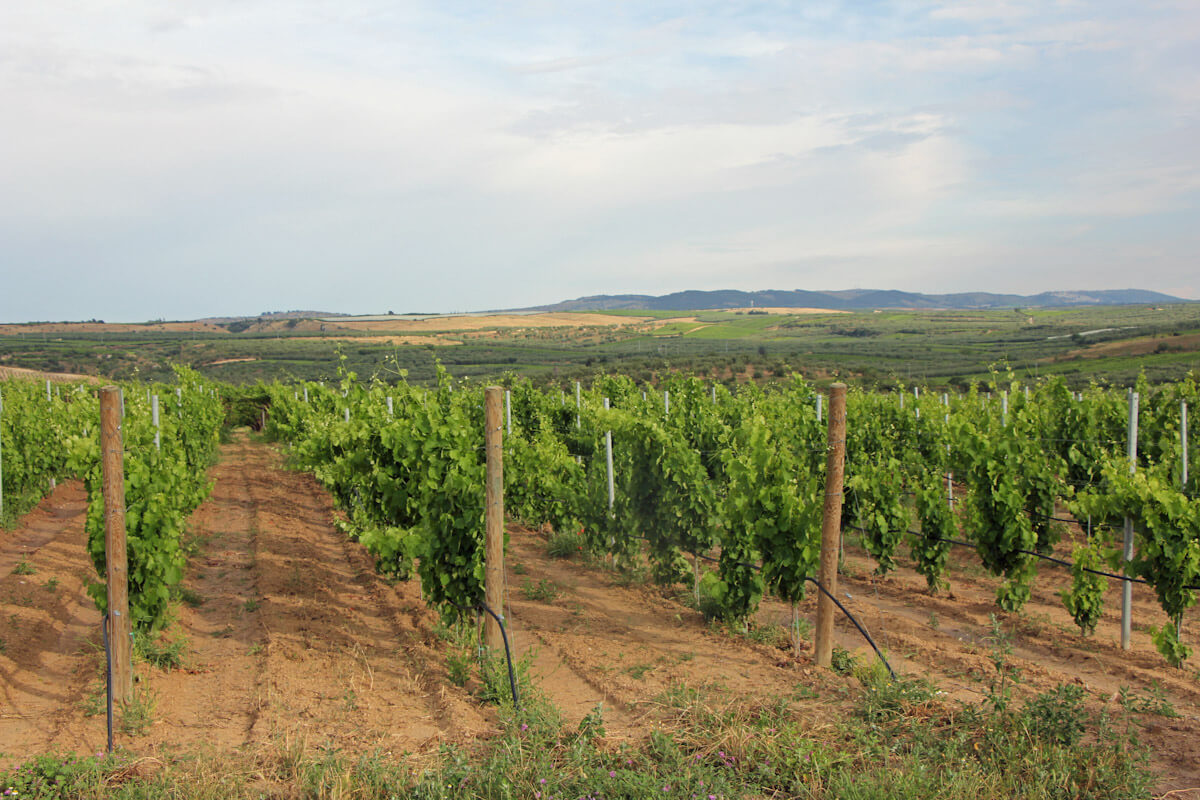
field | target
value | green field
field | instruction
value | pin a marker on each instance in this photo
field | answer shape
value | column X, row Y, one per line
column 882, row 347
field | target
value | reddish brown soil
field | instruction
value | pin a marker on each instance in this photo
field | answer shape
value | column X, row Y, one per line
column 294, row 639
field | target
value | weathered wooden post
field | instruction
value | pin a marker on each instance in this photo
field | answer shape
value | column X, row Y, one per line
column 494, row 516
column 112, row 454
column 831, row 522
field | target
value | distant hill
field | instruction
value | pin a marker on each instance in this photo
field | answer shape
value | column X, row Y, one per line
column 857, row 300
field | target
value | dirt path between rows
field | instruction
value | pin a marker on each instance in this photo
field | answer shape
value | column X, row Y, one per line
column 291, row 638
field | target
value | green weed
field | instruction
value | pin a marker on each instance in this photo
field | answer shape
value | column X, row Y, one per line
column 543, row 591
column 564, row 545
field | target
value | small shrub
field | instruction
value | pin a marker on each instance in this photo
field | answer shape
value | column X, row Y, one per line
column 1057, row 715
column 842, row 661
column 1153, row 702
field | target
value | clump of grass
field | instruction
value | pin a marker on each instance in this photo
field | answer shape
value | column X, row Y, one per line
column 771, row 635
column 564, row 544
column 190, row 597
column 638, row 671
column 162, row 650
column 137, row 714
column 23, row 567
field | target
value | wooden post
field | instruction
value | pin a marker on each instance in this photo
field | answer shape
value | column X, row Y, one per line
column 494, row 525
column 112, row 454
column 831, row 521
column 1127, row 550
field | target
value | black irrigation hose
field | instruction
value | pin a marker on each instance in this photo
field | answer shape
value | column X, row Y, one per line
column 108, row 679
column 1034, row 553
column 861, row 629
column 512, row 675
column 836, row 602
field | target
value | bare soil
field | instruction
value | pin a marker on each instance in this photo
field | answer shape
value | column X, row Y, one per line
column 1142, row 345
column 37, row 375
column 490, row 321
column 291, row 635
column 292, row 638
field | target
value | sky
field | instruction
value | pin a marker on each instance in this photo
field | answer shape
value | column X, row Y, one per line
column 227, row 157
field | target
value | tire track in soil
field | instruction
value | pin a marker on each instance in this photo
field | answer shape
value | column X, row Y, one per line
column 338, row 659
column 213, row 700
column 48, row 627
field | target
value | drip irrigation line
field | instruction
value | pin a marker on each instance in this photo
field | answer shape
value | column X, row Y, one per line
column 1034, row 553
column 1099, row 526
column 108, row 680
column 825, row 592
column 512, row 676
column 861, row 629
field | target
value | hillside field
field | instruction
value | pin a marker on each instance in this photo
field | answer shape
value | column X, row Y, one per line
column 883, row 347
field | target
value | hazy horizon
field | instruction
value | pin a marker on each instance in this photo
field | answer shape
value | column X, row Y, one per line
column 422, row 312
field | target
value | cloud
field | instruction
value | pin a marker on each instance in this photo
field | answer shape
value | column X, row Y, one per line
column 362, row 151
